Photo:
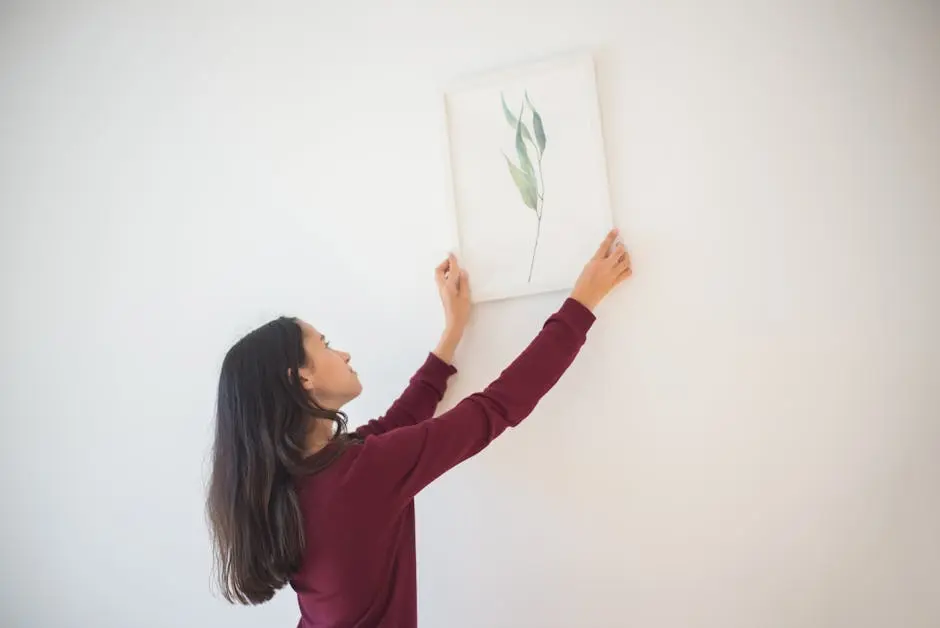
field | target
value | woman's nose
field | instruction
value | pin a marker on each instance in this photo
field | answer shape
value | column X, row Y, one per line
column 346, row 356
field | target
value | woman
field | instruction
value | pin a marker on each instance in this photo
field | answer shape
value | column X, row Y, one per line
column 295, row 498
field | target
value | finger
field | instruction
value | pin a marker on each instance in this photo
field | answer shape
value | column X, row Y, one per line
column 440, row 272
column 616, row 254
column 453, row 272
column 443, row 267
column 623, row 276
column 464, row 282
column 622, row 264
column 603, row 249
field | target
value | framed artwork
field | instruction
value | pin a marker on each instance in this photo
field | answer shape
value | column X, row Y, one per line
column 528, row 176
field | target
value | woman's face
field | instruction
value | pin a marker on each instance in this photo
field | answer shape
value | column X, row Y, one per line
column 327, row 376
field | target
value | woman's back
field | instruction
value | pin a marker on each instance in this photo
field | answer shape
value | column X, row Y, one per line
column 358, row 566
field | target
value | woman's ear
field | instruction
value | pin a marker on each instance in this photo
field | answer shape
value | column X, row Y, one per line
column 305, row 377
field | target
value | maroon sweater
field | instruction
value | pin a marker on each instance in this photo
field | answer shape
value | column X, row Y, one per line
column 359, row 516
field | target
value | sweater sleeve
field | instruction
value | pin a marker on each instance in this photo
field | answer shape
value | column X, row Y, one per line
column 400, row 463
column 417, row 403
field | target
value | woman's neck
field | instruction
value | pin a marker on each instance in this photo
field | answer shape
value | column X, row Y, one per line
column 318, row 436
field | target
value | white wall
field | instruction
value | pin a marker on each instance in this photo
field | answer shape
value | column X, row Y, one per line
column 750, row 438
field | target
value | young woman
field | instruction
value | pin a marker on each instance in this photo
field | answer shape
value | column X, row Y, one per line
column 294, row 498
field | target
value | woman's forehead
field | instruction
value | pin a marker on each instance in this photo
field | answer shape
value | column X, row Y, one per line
column 308, row 329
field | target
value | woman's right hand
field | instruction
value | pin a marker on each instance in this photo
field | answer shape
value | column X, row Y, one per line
column 606, row 269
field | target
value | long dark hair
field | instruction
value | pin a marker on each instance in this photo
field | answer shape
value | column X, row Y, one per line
column 263, row 414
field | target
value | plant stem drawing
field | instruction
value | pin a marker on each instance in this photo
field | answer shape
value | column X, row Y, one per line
column 531, row 189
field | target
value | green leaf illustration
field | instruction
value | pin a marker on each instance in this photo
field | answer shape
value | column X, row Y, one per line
column 537, row 125
column 514, row 121
column 526, row 184
column 524, row 175
column 511, row 119
column 521, row 151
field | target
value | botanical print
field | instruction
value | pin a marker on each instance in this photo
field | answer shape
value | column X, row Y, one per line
column 512, row 237
column 526, row 175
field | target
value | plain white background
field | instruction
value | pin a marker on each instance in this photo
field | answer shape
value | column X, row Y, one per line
column 750, row 437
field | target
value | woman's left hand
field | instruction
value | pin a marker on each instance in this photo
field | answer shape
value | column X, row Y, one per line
column 453, row 284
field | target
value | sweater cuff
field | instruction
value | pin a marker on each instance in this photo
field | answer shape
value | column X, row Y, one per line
column 577, row 315
column 437, row 368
